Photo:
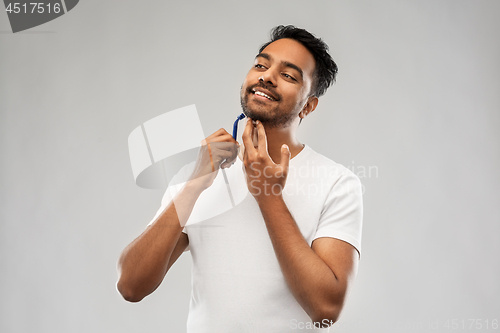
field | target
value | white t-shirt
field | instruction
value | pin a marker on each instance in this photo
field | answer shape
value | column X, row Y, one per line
column 237, row 283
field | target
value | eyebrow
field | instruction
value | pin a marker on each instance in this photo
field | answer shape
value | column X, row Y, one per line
column 284, row 63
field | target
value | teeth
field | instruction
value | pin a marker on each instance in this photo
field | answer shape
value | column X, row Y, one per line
column 264, row 95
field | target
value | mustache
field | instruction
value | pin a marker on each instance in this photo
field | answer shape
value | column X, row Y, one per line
column 264, row 86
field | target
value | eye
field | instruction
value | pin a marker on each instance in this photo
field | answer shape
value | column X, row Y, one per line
column 288, row 76
column 259, row 66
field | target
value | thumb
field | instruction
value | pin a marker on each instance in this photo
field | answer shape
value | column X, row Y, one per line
column 285, row 156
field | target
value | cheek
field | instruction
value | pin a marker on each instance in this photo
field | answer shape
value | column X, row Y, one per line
column 304, row 90
column 295, row 94
column 302, row 94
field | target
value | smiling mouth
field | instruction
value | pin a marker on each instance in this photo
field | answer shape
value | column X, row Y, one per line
column 260, row 93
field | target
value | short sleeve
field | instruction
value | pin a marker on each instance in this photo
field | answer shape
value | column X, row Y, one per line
column 174, row 186
column 342, row 213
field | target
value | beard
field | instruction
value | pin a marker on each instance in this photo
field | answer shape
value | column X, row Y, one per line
column 271, row 117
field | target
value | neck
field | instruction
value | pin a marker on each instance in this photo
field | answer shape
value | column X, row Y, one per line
column 277, row 136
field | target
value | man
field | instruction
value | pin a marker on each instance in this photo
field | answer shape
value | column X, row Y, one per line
column 284, row 258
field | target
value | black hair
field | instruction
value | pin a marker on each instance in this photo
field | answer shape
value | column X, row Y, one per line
column 326, row 69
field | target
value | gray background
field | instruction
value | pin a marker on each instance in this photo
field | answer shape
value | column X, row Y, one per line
column 417, row 97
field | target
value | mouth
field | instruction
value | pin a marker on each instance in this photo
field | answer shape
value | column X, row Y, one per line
column 264, row 93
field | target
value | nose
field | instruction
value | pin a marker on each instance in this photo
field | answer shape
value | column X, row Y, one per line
column 268, row 77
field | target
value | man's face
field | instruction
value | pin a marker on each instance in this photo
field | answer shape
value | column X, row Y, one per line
column 284, row 72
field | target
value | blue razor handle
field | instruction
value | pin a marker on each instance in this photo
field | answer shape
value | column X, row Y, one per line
column 235, row 126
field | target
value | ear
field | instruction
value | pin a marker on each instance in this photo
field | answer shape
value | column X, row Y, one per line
column 309, row 107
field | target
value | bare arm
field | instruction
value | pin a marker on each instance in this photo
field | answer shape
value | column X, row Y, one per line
column 144, row 262
column 318, row 276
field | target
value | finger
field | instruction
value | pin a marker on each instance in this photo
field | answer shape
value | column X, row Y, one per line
column 247, row 138
column 225, row 142
column 221, row 155
column 221, row 143
column 227, row 164
column 231, row 160
column 261, row 137
column 285, row 157
column 222, row 158
column 221, row 135
column 217, row 133
column 224, row 145
column 241, row 152
column 227, row 156
column 224, row 151
column 255, row 136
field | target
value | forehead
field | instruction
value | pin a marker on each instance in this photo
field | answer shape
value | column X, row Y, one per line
column 290, row 50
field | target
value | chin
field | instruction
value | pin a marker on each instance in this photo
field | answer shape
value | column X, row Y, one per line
column 249, row 110
column 256, row 114
column 257, row 111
